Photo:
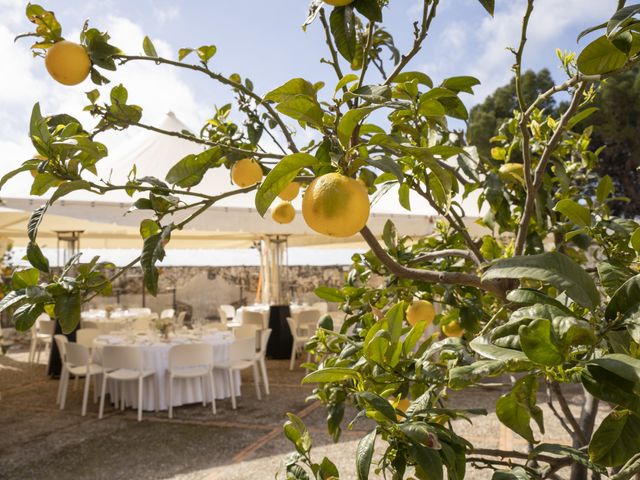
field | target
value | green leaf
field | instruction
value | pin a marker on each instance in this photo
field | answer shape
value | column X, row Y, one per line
column 461, row 84
column 619, row 19
column 600, row 56
column 37, row 258
column 302, row 108
column 328, row 470
column 529, row 296
column 25, row 278
column 43, row 182
column 578, row 117
column 152, row 251
column 516, row 408
column 295, row 86
column 615, row 379
column 330, row 294
column 419, row 77
column 554, row 268
column 67, row 311
column 34, row 222
column 484, row 347
column 364, row 454
column 489, row 5
column 616, row 440
column 183, row 52
column 517, row 473
column 461, row 377
column 573, row 331
column 379, row 404
column 348, row 123
column 635, row 240
column 404, row 196
column 539, row 342
column 370, row 93
column 631, row 468
column 626, row 298
column 148, row 228
column 575, row 212
column 188, row 172
column 395, row 319
column 412, row 338
column 387, row 164
column 296, row 431
column 370, row 9
column 149, row 49
column 68, row 187
column 282, row 175
column 25, row 316
column 429, row 463
column 343, row 27
column 330, row 374
column 205, row 53
column 565, row 451
column 344, row 81
column 613, row 274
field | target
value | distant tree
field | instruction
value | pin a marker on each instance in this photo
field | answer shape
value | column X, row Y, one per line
column 617, row 127
column 486, row 118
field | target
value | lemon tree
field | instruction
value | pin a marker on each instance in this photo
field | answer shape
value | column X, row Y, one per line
column 547, row 296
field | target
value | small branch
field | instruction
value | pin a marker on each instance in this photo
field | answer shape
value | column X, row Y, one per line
column 554, row 410
column 365, row 54
column 492, row 452
column 578, row 434
column 427, row 17
column 225, row 81
column 538, row 176
column 427, row 257
column 335, row 61
column 430, row 276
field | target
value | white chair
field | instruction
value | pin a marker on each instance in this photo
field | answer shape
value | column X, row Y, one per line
column 191, row 361
column 253, row 318
column 260, row 357
column 61, row 343
column 78, row 363
column 125, row 364
column 167, row 313
column 242, row 354
column 302, row 325
column 86, row 336
column 245, row 331
column 323, row 307
column 41, row 335
column 229, row 311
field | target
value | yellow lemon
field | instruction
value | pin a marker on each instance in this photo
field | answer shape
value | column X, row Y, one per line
column 283, row 213
column 290, row 192
column 512, row 171
column 246, row 172
column 67, row 62
column 336, row 205
column 339, row 3
column 419, row 311
column 403, row 404
column 452, row 329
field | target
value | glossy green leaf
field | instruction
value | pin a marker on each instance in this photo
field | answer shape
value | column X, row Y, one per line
column 616, row 440
column 516, row 408
column 516, row 473
column 635, row 240
column 553, row 268
column 615, row 379
column 343, row 27
column 188, row 172
column 330, row 294
column 529, row 296
column 613, row 274
column 282, row 175
column 349, row 122
column 419, row 77
column 67, row 311
column 461, row 377
column 68, row 187
column 25, row 316
column 370, row 9
column 539, row 342
column 428, row 462
column 626, row 298
column 575, row 212
column 364, row 454
column 25, row 278
column 484, row 347
column 564, row 451
column 461, row 84
column 302, row 108
column 331, row 374
column 580, row 116
column 620, row 18
column 206, row 52
column 600, row 56
column 295, row 86
column 489, row 5
column 37, row 258
column 379, row 404
column 346, row 80
column 149, row 49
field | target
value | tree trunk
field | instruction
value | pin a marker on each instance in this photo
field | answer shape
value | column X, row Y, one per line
column 587, row 422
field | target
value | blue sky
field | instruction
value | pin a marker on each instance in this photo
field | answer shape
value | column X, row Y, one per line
column 264, row 41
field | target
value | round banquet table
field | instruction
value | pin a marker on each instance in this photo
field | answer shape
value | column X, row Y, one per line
column 156, row 357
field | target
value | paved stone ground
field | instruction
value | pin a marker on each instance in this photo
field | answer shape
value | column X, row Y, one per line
column 38, row 441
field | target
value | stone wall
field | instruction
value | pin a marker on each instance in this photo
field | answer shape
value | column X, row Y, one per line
column 204, row 288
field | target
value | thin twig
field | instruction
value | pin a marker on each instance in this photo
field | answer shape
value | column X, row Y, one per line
column 225, row 81
column 554, row 410
column 427, row 257
column 564, row 406
column 430, row 276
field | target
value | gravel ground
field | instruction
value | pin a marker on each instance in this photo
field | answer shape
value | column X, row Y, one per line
column 38, row 441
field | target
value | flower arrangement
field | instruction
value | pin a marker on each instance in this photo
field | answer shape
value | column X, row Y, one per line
column 163, row 326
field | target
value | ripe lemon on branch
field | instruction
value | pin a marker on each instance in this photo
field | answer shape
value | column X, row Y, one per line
column 67, row 62
column 452, row 329
column 336, row 205
column 421, row 310
column 283, row 213
column 290, row 191
column 246, row 172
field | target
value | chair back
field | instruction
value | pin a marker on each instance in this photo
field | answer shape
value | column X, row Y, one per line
column 242, row 349
column 86, row 336
column 308, row 319
column 47, row 327
column 264, row 339
column 77, row 354
column 167, row 313
column 121, row 356
column 253, row 318
column 323, row 307
column 61, row 343
column 246, row 331
column 223, row 316
column 142, row 323
column 180, row 319
column 191, row 355
column 229, row 310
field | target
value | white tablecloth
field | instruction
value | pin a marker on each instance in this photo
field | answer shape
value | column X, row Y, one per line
column 156, row 357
